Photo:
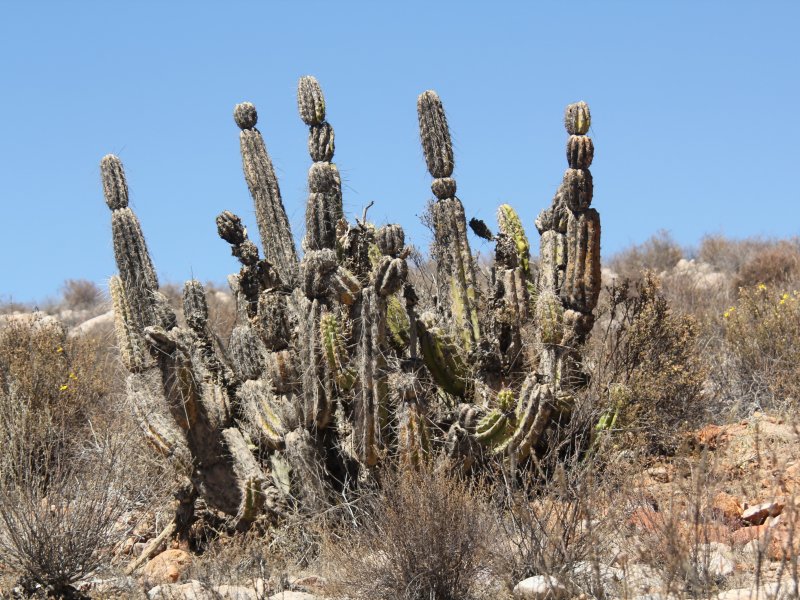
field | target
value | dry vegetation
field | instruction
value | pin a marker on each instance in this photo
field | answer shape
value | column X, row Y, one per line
column 694, row 391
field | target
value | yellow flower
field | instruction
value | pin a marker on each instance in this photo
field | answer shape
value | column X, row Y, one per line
column 73, row 376
column 728, row 312
column 59, row 350
column 762, row 287
column 63, row 387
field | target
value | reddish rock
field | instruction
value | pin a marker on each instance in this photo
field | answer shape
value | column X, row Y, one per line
column 167, row 567
column 758, row 514
column 646, row 519
column 726, row 507
column 742, row 536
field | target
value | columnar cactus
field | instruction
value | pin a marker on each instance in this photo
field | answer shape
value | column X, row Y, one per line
column 330, row 370
column 457, row 292
column 570, row 254
column 273, row 224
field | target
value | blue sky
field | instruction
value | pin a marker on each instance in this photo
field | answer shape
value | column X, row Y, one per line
column 694, row 109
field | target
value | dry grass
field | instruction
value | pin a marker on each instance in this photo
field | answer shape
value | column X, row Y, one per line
column 423, row 536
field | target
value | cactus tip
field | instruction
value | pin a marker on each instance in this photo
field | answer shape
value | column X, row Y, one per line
column 115, row 188
column 245, row 115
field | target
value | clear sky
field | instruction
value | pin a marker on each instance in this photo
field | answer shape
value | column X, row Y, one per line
column 694, row 106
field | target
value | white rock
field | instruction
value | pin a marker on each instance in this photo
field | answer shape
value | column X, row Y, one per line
column 287, row 595
column 236, row 592
column 193, row 590
column 540, row 587
column 93, row 325
column 717, row 558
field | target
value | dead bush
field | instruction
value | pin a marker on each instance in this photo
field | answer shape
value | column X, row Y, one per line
column 648, row 368
column 775, row 265
column 762, row 349
column 80, row 294
column 659, row 253
column 59, row 502
column 424, row 536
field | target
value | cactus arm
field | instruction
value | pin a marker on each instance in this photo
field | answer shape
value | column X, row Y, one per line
column 273, row 224
column 458, row 296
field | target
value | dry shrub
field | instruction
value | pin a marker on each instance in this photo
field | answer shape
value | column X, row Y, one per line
column 80, row 294
column 59, row 498
column 659, row 253
column 648, row 366
column 762, row 344
column 424, row 536
column 561, row 526
column 58, row 514
column 775, row 265
column 63, row 380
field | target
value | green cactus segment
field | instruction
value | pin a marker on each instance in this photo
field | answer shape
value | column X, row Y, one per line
column 317, row 385
column 310, row 101
column 273, row 224
column 115, row 187
column 250, row 481
column 370, row 409
column 577, row 118
column 390, row 240
column 495, row 430
column 549, row 318
column 511, row 226
column 397, row 323
column 580, row 151
column 535, row 407
column 458, row 296
column 145, row 391
column 442, row 357
column 582, row 279
column 264, row 413
column 321, row 146
column 553, row 261
column 324, row 205
column 414, row 439
column 333, row 341
column 131, row 345
column 195, row 308
column 435, row 135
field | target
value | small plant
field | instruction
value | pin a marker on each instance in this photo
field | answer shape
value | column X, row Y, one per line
column 762, row 331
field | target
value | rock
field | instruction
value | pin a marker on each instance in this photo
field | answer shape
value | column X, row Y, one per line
column 94, row 325
column 192, row 590
column 768, row 591
column 659, row 473
column 237, row 592
column 758, row 514
column 287, row 595
column 742, row 536
column 167, row 567
column 646, row 519
column 718, row 560
column 307, row 583
column 642, row 579
column 540, row 587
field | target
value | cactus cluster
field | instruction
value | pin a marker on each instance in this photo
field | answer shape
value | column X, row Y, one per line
column 337, row 364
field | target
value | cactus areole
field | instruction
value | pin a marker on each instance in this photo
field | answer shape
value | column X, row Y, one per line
column 337, row 364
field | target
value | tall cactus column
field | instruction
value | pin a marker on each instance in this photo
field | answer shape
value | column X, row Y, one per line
column 273, row 224
column 457, row 292
column 570, row 255
column 324, row 206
